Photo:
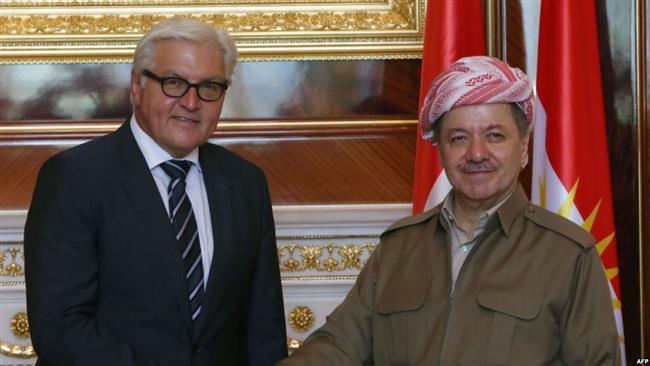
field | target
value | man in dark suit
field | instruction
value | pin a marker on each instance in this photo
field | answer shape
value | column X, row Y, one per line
column 150, row 246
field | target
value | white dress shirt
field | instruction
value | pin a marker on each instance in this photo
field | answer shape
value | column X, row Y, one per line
column 195, row 188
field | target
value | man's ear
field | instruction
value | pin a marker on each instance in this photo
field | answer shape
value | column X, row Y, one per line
column 136, row 89
column 525, row 141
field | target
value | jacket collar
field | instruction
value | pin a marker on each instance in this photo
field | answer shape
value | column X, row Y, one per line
column 511, row 209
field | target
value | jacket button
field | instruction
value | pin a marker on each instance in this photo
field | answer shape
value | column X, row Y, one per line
column 196, row 349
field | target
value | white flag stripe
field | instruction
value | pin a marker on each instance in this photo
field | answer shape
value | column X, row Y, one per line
column 438, row 192
column 556, row 193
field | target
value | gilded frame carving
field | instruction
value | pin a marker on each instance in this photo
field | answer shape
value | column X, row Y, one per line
column 98, row 31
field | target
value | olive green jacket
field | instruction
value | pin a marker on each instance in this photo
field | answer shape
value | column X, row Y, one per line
column 531, row 292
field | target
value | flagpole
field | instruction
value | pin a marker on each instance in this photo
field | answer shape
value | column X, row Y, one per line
column 494, row 24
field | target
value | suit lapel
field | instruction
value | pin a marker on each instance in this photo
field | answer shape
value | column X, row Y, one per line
column 218, row 189
column 139, row 185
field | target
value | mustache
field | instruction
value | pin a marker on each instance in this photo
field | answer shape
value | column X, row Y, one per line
column 473, row 167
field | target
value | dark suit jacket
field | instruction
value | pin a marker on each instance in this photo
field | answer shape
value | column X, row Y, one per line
column 105, row 278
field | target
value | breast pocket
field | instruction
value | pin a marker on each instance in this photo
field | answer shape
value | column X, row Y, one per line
column 401, row 342
column 508, row 307
column 404, row 326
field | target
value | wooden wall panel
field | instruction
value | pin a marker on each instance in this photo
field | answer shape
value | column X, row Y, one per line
column 336, row 170
column 357, row 167
column 19, row 167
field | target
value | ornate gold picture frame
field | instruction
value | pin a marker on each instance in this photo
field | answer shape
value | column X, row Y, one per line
column 97, row 31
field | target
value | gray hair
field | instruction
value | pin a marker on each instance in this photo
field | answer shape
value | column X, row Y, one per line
column 188, row 30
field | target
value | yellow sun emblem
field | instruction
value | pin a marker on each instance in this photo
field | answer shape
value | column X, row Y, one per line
column 565, row 211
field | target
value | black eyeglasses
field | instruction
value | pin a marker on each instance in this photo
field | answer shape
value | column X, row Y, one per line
column 175, row 87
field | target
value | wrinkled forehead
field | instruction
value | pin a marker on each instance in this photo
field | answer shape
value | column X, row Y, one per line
column 479, row 117
column 185, row 58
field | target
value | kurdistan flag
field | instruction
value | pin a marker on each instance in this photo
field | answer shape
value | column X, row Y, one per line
column 570, row 160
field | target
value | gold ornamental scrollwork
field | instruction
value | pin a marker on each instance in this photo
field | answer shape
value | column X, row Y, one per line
column 301, row 318
column 16, row 351
column 400, row 17
column 9, row 265
column 323, row 258
column 20, row 325
column 264, row 29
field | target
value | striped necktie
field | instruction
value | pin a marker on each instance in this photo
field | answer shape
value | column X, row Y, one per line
column 187, row 234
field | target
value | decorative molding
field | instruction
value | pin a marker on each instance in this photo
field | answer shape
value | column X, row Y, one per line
column 293, row 258
column 325, row 237
column 90, row 31
column 320, row 278
column 16, row 351
column 399, row 17
column 301, row 319
column 20, row 325
column 11, row 255
column 315, row 242
column 9, row 265
column 323, row 258
column 330, row 242
column 12, row 224
column 13, row 284
column 342, row 221
column 224, row 129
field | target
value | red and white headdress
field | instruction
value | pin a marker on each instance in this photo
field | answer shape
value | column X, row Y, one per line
column 475, row 80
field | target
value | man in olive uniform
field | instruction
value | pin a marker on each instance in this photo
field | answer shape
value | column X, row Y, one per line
column 486, row 277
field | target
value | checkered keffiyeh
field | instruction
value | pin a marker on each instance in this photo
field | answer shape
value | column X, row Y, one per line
column 475, row 80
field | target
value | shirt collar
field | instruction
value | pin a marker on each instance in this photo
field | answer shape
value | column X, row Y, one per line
column 153, row 153
column 449, row 216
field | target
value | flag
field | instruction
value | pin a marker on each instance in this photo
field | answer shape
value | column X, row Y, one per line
column 570, row 159
column 453, row 29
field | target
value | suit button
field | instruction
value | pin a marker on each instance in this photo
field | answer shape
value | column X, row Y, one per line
column 196, row 349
